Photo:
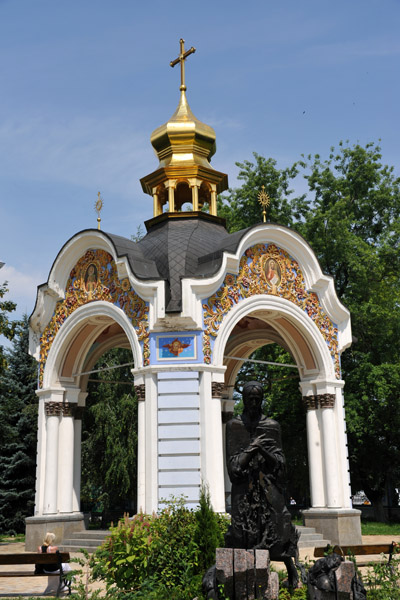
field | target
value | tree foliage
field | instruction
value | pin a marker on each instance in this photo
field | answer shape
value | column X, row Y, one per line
column 18, row 423
column 7, row 326
column 351, row 218
column 109, row 440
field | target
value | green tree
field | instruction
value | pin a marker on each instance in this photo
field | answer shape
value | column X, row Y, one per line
column 351, row 218
column 241, row 208
column 18, row 422
column 109, row 440
column 353, row 225
column 7, row 327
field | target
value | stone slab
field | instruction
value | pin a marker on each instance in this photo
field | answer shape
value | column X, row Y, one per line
column 250, row 575
column 240, row 573
column 272, row 591
column 262, row 569
column 224, row 569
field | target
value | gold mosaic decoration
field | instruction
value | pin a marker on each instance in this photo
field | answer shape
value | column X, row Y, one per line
column 95, row 277
column 267, row 269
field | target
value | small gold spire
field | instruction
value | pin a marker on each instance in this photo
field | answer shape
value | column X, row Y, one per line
column 264, row 200
column 181, row 58
column 98, row 206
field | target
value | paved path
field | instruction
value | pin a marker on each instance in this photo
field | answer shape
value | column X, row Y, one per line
column 39, row 586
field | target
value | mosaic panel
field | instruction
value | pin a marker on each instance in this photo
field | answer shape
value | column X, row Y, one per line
column 94, row 277
column 267, row 269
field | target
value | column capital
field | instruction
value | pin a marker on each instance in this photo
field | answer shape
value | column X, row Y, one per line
column 315, row 401
column 217, row 389
column 140, row 391
column 327, row 400
column 310, row 402
column 53, row 409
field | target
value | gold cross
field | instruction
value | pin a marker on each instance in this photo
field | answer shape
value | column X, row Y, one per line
column 181, row 58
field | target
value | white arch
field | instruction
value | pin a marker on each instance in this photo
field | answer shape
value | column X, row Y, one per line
column 69, row 329
column 278, row 307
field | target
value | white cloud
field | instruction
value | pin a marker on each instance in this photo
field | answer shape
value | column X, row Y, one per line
column 22, row 288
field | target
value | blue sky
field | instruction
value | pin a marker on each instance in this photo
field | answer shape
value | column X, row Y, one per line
column 84, row 83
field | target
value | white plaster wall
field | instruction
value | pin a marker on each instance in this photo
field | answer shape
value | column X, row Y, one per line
column 178, row 436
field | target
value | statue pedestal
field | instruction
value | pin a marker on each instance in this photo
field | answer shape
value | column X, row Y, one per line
column 245, row 574
column 341, row 526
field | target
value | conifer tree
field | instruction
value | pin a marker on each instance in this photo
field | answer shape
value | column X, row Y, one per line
column 18, row 422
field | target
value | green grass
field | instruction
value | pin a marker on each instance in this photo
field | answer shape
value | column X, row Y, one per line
column 376, row 528
column 6, row 539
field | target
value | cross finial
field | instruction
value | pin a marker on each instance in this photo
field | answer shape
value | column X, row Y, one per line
column 181, row 58
column 98, row 206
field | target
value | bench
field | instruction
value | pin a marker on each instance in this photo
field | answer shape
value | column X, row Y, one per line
column 361, row 550
column 35, row 558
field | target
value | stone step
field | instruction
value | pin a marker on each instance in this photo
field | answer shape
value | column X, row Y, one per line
column 89, row 540
column 309, row 538
column 90, row 534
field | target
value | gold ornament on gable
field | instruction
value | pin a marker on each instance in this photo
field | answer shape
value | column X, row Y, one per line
column 267, row 269
column 95, row 277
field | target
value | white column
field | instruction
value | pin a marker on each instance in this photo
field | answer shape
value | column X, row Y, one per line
column 330, row 454
column 40, row 455
column 76, row 488
column 344, row 468
column 53, row 410
column 314, row 454
column 151, row 450
column 66, row 460
column 140, row 390
column 212, row 454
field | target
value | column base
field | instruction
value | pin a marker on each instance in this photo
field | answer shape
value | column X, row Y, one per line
column 341, row 526
column 62, row 525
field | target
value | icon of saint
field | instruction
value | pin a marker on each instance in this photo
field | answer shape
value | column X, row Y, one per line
column 91, row 278
column 272, row 272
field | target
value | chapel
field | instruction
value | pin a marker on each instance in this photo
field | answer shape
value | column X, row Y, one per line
column 192, row 302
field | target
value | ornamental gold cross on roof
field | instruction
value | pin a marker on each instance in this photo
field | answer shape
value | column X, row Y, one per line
column 181, row 58
column 264, row 200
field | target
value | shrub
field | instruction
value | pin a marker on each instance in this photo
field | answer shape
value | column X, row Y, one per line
column 161, row 555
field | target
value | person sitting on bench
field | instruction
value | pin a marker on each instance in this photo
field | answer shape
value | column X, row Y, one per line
column 47, row 547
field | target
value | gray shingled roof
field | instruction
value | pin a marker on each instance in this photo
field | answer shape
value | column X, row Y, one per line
column 177, row 248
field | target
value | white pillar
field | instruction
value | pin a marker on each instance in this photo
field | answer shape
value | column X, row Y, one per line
column 76, row 488
column 330, row 451
column 66, row 460
column 40, row 455
column 151, row 446
column 344, row 467
column 53, row 410
column 314, row 454
column 140, row 390
column 212, row 453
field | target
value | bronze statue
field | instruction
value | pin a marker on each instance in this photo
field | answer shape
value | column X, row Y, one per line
column 256, row 467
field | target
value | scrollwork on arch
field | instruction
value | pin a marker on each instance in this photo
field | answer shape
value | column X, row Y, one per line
column 267, row 269
column 95, row 277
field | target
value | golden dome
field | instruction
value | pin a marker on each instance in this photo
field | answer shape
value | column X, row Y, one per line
column 184, row 140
